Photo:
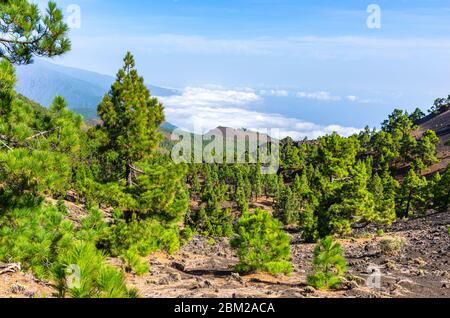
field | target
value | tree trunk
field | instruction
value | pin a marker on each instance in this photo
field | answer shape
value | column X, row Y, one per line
column 129, row 173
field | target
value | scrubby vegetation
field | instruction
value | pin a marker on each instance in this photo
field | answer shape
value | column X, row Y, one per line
column 391, row 245
column 47, row 152
column 137, row 201
column 261, row 244
column 117, row 165
column 329, row 186
column 329, row 265
column 81, row 272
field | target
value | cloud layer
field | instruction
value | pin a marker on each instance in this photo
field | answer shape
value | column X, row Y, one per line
column 346, row 47
column 208, row 108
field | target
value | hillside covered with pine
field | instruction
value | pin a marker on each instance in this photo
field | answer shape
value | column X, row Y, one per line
column 100, row 210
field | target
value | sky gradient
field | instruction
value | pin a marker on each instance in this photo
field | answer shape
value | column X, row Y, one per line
column 293, row 64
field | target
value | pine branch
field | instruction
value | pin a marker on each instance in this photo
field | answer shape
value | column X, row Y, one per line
column 42, row 133
column 6, row 145
column 136, row 169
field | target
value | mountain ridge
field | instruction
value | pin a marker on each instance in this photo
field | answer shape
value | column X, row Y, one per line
column 82, row 89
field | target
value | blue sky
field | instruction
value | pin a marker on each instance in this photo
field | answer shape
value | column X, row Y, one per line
column 311, row 64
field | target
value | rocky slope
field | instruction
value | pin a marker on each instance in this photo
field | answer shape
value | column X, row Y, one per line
column 420, row 268
column 412, row 257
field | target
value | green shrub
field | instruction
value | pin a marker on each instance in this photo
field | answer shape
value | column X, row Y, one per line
column 139, row 238
column 33, row 237
column 36, row 172
column 44, row 242
column 93, row 227
column 392, row 246
column 380, row 232
column 261, row 244
column 111, row 283
column 211, row 242
column 82, row 272
column 309, row 224
column 211, row 222
column 135, row 262
column 211, row 219
column 186, row 234
column 329, row 265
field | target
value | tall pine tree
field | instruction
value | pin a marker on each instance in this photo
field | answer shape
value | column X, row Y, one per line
column 411, row 197
column 144, row 180
column 131, row 118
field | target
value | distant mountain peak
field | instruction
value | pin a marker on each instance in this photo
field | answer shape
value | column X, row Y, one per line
column 240, row 133
column 82, row 89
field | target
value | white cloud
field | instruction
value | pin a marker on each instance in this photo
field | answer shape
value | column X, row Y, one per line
column 326, row 96
column 274, row 92
column 323, row 96
column 209, row 108
column 198, row 96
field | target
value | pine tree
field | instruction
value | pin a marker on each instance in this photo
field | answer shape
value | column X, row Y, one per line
column 426, row 148
column 408, row 145
column 131, row 118
column 261, row 244
column 161, row 191
column 365, row 139
column 411, row 198
column 337, row 155
column 146, row 188
column 301, row 189
column 440, row 105
column 307, row 205
column 290, row 154
column 386, row 150
column 65, row 128
column 211, row 219
column 384, row 198
column 431, row 190
column 309, row 220
column 442, row 193
column 17, row 118
column 27, row 166
column 286, row 207
column 26, row 32
column 247, row 186
column 355, row 202
column 270, row 185
column 398, row 120
column 329, row 265
column 153, row 186
column 241, row 198
column 96, row 278
column 257, row 181
column 196, row 187
column 34, row 172
column 417, row 115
